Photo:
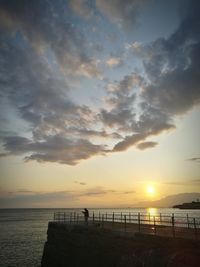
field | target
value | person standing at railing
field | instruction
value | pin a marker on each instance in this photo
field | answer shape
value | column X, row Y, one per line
column 86, row 215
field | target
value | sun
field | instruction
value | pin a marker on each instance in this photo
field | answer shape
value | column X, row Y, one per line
column 151, row 190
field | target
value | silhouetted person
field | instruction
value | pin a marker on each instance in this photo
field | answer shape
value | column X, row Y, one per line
column 86, row 215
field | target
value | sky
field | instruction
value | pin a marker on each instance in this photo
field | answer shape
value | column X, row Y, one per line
column 99, row 102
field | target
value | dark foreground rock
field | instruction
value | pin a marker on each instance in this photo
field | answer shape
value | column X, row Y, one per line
column 79, row 246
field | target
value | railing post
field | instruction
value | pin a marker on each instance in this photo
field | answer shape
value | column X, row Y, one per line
column 99, row 217
column 154, row 224
column 195, row 228
column 125, row 223
column 106, row 216
column 173, row 225
column 121, row 217
column 188, row 221
column 102, row 220
column 160, row 218
column 54, row 216
column 113, row 219
column 139, row 221
column 64, row 216
column 93, row 217
column 77, row 218
column 149, row 218
column 70, row 220
column 129, row 217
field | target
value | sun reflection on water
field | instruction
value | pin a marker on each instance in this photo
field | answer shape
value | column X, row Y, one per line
column 152, row 211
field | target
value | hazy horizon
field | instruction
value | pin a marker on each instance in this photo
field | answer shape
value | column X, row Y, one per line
column 99, row 102
column 165, row 202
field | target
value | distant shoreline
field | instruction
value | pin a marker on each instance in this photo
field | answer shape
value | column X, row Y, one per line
column 194, row 205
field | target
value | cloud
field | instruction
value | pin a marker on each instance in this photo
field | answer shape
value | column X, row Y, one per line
column 51, row 32
column 120, row 102
column 173, row 79
column 53, row 149
column 65, row 198
column 173, row 67
column 37, row 199
column 80, row 183
column 43, row 50
column 82, row 8
column 151, row 122
column 38, row 58
column 96, row 191
column 135, row 46
column 146, row 145
column 124, row 13
column 194, row 159
column 114, row 62
column 2, row 155
column 128, row 141
column 41, row 97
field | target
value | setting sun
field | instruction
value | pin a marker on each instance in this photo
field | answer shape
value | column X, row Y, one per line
column 151, row 190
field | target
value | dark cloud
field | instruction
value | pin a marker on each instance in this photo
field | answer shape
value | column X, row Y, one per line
column 81, row 183
column 2, row 155
column 124, row 13
column 120, row 101
column 128, row 141
column 117, row 117
column 46, row 26
column 25, row 191
column 195, row 159
column 121, row 113
column 174, row 69
column 95, row 193
column 53, row 149
column 82, row 7
column 93, row 133
column 146, row 145
column 41, row 99
column 151, row 122
column 39, row 52
column 172, row 87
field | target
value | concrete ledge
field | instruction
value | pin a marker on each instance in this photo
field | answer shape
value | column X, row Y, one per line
column 92, row 246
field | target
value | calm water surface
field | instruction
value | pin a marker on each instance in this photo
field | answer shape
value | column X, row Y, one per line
column 23, row 233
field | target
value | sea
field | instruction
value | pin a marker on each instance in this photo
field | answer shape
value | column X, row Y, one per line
column 23, row 232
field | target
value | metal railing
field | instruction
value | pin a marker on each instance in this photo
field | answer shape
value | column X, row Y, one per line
column 159, row 224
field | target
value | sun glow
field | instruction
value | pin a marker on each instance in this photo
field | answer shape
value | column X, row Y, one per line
column 151, row 190
column 152, row 211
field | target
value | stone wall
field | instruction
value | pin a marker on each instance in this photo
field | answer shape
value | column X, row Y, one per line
column 79, row 246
